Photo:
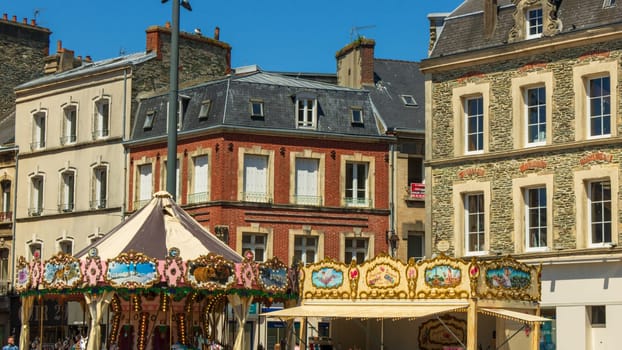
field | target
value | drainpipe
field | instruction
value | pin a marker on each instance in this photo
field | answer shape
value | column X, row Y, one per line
column 14, row 217
column 123, row 139
column 392, row 197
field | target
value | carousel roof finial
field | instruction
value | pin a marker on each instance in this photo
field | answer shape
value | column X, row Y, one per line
column 162, row 194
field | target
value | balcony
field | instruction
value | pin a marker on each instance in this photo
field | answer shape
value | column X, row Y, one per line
column 35, row 211
column 199, row 197
column 67, row 139
column 37, row 145
column 98, row 204
column 65, row 207
column 256, row 197
column 6, row 216
column 308, row 200
column 357, row 202
column 416, row 192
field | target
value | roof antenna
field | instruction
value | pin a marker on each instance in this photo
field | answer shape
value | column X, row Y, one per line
column 354, row 32
column 37, row 11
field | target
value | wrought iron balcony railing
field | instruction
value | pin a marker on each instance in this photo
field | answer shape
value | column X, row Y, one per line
column 198, row 197
column 257, row 197
column 98, row 204
column 308, row 200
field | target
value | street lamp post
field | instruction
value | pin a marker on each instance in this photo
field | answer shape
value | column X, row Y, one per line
column 171, row 165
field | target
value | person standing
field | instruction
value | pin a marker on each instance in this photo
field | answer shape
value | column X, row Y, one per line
column 10, row 344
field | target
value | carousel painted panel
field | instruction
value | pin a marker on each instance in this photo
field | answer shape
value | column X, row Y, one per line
column 509, row 279
column 132, row 270
column 445, row 332
column 211, row 272
column 61, row 271
column 22, row 275
column 443, row 277
column 326, row 280
column 273, row 276
column 383, row 278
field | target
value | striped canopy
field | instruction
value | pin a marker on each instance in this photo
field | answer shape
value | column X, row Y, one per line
column 158, row 227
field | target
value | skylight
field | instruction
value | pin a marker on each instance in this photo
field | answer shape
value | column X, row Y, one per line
column 409, row 100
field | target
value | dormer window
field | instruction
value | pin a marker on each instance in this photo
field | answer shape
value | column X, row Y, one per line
column 409, row 101
column 256, row 107
column 205, row 107
column 182, row 106
column 609, row 3
column 534, row 22
column 307, row 112
column 149, row 120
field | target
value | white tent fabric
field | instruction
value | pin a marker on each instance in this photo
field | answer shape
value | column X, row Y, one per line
column 514, row 315
column 240, row 306
column 26, row 312
column 97, row 304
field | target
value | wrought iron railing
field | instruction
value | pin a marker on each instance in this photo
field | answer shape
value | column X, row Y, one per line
column 6, row 216
column 35, row 211
column 99, row 133
column 357, row 202
column 65, row 207
column 198, row 197
column 307, row 200
column 257, row 197
column 98, row 204
column 67, row 139
column 37, row 145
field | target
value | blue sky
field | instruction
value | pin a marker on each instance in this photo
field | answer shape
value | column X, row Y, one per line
column 277, row 35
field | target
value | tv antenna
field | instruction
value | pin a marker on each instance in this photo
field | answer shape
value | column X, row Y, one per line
column 36, row 13
column 354, row 32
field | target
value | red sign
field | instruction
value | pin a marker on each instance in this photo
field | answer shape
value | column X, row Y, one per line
column 417, row 190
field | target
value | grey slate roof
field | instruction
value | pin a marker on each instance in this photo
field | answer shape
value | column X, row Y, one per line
column 92, row 67
column 230, row 98
column 464, row 27
column 7, row 129
column 392, row 80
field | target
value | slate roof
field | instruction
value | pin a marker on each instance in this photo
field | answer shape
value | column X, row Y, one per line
column 91, row 67
column 392, row 80
column 230, row 106
column 464, row 27
column 7, row 129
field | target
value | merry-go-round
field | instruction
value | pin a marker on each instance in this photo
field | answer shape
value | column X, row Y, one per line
column 157, row 281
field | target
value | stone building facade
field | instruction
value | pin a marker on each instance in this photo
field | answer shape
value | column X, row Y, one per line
column 524, row 151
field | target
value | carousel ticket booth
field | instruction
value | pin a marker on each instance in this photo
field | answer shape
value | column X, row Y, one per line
column 135, row 292
column 438, row 304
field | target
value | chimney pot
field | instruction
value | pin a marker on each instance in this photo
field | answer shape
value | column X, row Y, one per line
column 25, row 20
column 88, row 59
column 217, row 33
column 167, row 25
column 33, row 22
column 14, row 18
column 59, row 46
column 5, row 16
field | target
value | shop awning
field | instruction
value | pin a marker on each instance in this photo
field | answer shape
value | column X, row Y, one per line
column 364, row 310
column 513, row 315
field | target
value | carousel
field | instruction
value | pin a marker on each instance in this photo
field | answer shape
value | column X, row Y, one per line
column 436, row 304
column 157, row 281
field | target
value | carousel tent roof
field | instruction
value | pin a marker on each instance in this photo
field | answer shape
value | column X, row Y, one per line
column 157, row 227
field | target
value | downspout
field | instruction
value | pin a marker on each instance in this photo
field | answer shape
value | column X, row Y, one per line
column 224, row 112
column 14, row 217
column 125, row 153
column 392, row 197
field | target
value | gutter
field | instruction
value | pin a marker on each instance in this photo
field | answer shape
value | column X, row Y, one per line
column 13, row 259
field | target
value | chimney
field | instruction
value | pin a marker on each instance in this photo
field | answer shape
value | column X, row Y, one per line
column 5, row 16
column 14, row 18
column 437, row 21
column 217, row 33
column 62, row 61
column 355, row 64
column 490, row 17
column 25, row 20
column 88, row 59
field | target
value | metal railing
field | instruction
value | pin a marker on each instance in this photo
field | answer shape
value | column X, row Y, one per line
column 6, row 216
column 37, row 145
column 256, row 197
column 5, row 287
column 357, row 202
column 35, row 211
column 67, row 139
column 98, row 204
column 198, row 197
column 307, row 200
column 99, row 133
column 65, row 207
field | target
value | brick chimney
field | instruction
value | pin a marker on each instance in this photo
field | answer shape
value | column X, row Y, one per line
column 355, row 64
column 62, row 61
column 437, row 21
column 490, row 17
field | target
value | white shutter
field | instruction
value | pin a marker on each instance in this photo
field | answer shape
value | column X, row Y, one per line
column 200, row 174
column 306, row 177
column 255, row 174
column 145, row 182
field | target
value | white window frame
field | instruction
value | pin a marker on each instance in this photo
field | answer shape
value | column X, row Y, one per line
column 5, row 187
column 149, row 119
column 468, row 215
column 198, row 189
column 101, row 118
column 69, row 134
column 67, row 198
column 32, row 247
column 36, row 195
column 63, row 243
column 479, row 148
column 303, row 245
column 353, row 249
column 539, row 104
column 603, row 221
column 252, row 245
column 182, row 105
column 306, row 113
column 206, row 105
column 534, row 19
column 177, row 176
column 304, row 176
column 39, row 130
column 409, row 101
column 259, row 112
column 99, row 187
column 144, row 185
column 539, row 226
column 357, row 111
column 605, row 118
column 352, row 185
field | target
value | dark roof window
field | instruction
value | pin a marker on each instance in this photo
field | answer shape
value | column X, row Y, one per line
column 409, row 101
column 205, row 107
column 609, row 3
column 357, row 115
column 256, row 107
column 149, row 120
